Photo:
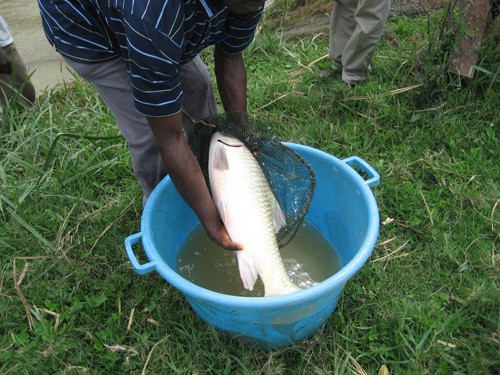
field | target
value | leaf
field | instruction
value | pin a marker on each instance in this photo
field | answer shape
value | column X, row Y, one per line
column 96, row 301
column 383, row 370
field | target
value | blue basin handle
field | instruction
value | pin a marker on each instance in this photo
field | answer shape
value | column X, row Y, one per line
column 141, row 269
column 374, row 177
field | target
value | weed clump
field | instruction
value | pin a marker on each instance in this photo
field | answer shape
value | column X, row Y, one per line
column 448, row 31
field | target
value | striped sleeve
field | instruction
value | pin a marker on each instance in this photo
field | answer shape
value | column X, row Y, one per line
column 241, row 28
column 75, row 32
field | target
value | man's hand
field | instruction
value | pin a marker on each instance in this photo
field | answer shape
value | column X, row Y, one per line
column 222, row 238
column 5, row 62
column 187, row 177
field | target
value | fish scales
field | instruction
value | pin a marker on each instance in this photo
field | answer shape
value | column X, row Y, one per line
column 250, row 213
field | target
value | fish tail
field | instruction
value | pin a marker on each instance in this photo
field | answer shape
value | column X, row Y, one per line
column 280, row 289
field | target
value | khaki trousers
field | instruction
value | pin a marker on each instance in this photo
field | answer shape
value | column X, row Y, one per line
column 17, row 83
column 355, row 31
column 112, row 82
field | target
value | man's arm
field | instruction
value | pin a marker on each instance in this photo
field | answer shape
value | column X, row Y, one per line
column 185, row 172
column 231, row 80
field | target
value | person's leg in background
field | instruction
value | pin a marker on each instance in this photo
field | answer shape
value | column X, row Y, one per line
column 16, row 85
column 342, row 26
column 370, row 17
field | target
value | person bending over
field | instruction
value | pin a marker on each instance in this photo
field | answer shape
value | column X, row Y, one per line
column 143, row 59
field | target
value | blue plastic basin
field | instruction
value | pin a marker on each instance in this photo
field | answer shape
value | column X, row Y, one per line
column 343, row 209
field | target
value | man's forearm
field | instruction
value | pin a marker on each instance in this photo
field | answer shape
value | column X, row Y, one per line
column 184, row 169
column 231, row 80
column 187, row 177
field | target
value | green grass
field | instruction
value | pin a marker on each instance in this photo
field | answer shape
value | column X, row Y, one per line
column 427, row 302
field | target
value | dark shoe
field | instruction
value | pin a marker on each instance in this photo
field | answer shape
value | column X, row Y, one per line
column 351, row 85
column 325, row 73
column 334, row 71
column 353, row 78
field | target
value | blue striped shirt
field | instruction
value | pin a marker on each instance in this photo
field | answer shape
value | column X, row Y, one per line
column 153, row 37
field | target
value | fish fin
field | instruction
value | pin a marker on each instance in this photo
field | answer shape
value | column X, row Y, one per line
column 221, row 207
column 279, row 218
column 248, row 270
column 220, row 160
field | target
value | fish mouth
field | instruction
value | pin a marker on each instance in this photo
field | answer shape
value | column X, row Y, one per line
column 230, row 145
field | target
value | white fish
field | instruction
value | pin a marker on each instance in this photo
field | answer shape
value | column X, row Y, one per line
column 250, row 212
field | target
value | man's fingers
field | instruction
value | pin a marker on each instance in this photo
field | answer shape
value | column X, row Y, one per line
column 224, row 240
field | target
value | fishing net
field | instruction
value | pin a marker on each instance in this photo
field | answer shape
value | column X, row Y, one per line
column 290, row 178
